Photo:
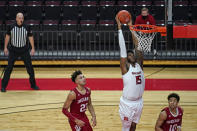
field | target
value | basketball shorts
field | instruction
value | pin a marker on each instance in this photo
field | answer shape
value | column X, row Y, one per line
column 86, row 127
column 130, row 111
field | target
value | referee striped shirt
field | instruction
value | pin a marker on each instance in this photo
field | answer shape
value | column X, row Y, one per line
column 19, row 35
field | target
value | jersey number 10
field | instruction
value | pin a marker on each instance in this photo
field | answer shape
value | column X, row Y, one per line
column 173, row 127
column 138, row 80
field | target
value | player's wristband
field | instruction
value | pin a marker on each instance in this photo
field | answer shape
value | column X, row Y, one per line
column 68, row 114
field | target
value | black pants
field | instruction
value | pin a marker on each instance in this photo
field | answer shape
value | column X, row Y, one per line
column 13, row 56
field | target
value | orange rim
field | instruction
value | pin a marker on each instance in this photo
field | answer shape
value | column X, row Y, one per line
column 148, row 28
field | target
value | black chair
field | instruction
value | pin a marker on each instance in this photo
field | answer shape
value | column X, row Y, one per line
column 70, row 18
column 180, row 2
column 14, row 8
column 158, row 13
column 107, row 10
column 9, row 22
column 52, row 10
column 34, row 24
column 126, row 5
column 88, row 25
column 107, row 15
column 159, row 3
column 89, row 16
column 70, row 10
column 3, row 8
column 34, row 10
column 106, row 25
column 34, row 14
column 193, row 11
column 141, row 4
column 69, row 25
column 181, row 22
column 89, row 10
column 52, row 25
column 180, row 10
column 160, row 22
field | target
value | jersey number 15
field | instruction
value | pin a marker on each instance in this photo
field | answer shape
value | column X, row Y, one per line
column 138, row 80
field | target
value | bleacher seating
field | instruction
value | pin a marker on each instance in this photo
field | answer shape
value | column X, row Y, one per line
column 89, row 14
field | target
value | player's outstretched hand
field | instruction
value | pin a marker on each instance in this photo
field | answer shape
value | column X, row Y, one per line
column 129, row 23
column 118, row 22
column 79, row 123
column 93, row 121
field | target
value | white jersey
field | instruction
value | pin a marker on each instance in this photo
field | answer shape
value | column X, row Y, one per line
column 134, row 83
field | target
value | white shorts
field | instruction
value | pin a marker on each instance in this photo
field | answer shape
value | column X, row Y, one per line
column 130, row 111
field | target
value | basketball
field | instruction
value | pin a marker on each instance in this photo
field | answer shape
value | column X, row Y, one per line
column 124, row 16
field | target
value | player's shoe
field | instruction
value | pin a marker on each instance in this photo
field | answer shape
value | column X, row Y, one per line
column 35, row 87
column 3, row 89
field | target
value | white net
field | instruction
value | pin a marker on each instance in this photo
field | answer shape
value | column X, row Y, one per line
column 144, row 39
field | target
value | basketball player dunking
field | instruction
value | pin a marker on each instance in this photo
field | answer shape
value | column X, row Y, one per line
column 78, row 101
column 131, row 102
column 170, row 118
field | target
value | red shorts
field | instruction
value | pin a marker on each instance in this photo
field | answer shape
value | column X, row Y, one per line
column 86, row 127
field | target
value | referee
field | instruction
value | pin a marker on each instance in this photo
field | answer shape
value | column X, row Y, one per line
column 19, row 35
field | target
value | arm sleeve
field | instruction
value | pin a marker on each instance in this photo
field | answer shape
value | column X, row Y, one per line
column 68, row 114
column 123, row 51
column 29, row 31
column 8, row 31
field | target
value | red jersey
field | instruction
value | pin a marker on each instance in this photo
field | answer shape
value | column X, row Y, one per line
column 78, row 108
column 79, row 105
column 172, row 121
column 149, row 20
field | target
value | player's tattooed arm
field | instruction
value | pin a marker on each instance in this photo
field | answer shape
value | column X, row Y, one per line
column 160, row 120
column 138, row 53
column 91, row 110
column 71, row 96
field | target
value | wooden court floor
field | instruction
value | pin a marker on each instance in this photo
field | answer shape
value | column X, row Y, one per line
column 41, row 110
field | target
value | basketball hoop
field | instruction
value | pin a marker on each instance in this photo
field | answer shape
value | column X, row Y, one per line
column 145, row 35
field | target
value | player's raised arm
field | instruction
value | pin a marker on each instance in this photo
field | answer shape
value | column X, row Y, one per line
column 138, row 53
column 70, row 98
column 139, row 56
column 91, row 110
column 123, row 51
column 160, row 120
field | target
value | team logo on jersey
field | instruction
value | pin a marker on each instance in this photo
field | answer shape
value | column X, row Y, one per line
column 136, row 73
column 83, row 99
column 126, row 119
column 77, row 128
column 173, row 121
